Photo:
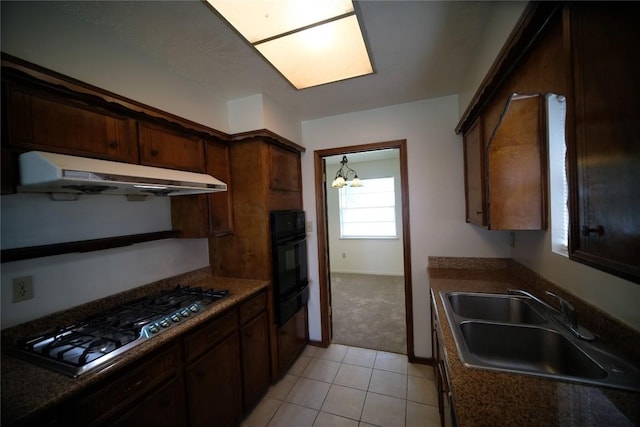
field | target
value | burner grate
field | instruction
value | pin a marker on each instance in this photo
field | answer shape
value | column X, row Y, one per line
column 77, row 348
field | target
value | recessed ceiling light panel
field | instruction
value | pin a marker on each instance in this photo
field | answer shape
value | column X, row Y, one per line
column 330, row 52
column 262, row 19
column 309, row 42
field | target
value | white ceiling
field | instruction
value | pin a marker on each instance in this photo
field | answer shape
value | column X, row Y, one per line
column 420, row 49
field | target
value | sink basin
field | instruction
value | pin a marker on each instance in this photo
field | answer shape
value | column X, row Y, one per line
column 494, row 307
column 531, row 349
column 504, row 332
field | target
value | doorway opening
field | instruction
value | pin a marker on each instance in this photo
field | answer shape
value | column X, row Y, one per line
column 340, row 267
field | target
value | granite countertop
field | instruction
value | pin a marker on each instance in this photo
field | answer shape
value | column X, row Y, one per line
column 490, row 398
column 28, row 389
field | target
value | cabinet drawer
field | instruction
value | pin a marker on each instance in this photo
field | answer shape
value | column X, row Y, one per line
column 252, row 307
column 209, row 335
column 115, row 395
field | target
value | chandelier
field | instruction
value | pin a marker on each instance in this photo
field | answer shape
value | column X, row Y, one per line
column 346, row 175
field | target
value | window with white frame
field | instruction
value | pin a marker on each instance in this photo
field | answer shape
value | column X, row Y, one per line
column 558, row 186
column 368, row 211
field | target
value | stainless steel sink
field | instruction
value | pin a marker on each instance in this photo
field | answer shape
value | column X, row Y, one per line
column 494, row 307
column 518, row 334
column 532, row 349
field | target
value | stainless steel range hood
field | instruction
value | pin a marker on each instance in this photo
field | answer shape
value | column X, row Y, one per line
column 43, row 172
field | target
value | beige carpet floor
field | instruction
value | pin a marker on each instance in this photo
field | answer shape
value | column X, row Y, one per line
column 369, row 312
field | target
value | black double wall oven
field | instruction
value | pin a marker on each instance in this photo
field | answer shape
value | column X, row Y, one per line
column 289, row 251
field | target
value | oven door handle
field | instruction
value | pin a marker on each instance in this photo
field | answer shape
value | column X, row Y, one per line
column 297, row 292
column 291, row 240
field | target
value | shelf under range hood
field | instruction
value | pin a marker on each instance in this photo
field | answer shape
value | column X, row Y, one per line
column 42, row 172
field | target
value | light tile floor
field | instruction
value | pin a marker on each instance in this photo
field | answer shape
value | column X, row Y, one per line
column 343, row 386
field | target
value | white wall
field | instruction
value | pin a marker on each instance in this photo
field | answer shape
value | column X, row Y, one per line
column 261, row 112
column 365, row 256
column 503, row 19
column 64, row 281
column 436, row 186
column 618, row 297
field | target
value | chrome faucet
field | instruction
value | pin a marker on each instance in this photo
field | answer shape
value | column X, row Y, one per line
column 532, row 296
column 567, row 312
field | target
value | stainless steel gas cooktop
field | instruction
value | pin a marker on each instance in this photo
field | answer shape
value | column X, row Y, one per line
column 79, row 348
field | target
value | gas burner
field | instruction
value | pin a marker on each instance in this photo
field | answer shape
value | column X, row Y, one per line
column 79, row 348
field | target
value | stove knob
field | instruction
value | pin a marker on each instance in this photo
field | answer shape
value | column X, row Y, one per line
column 165, row 323
column 185, row 313
column 154, row 328
column 194, row 308
column 175, row 317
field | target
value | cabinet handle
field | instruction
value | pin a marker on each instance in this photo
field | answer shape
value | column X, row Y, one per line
column 212, row 334
column 443, row 379
column 478, row 212
column 154, row 152
column 586, row 230
column 136, row 385
column 113, row 144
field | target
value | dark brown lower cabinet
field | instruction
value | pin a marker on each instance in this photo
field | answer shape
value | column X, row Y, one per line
column 214, row 392
column 212, row 376
column 151, row 389
column 254, row 342
column 445, row 398
column 163, row 408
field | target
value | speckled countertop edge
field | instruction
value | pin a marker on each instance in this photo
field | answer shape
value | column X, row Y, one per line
column 488, row 398
column 28, row 389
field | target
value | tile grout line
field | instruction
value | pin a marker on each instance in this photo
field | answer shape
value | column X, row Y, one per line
column 341, row 363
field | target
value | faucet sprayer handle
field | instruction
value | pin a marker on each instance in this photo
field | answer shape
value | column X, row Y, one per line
column 564, row 304
column 568, row 312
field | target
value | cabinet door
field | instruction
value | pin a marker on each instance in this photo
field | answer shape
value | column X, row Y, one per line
column 164, row 408
column 292, row 338
column 163, row 147
column 474, row 175
column 285, row 169
column 516, row 180
column 220, row 206
column 254, row 341
column 40, row 121
column 205, row 215
column 603, row 147
column 214, row 392
column 138, row 383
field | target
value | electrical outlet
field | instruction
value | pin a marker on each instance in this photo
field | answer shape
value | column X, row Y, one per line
column 22, row 288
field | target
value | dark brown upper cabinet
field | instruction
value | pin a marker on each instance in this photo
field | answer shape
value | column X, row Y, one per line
column 205, row 215
column 587, row 52
column 505, row 178
column 474, row 175
column 163, row 147
column 285, row 170
column 516, row 172
column 37, row 120
column 603, row 113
